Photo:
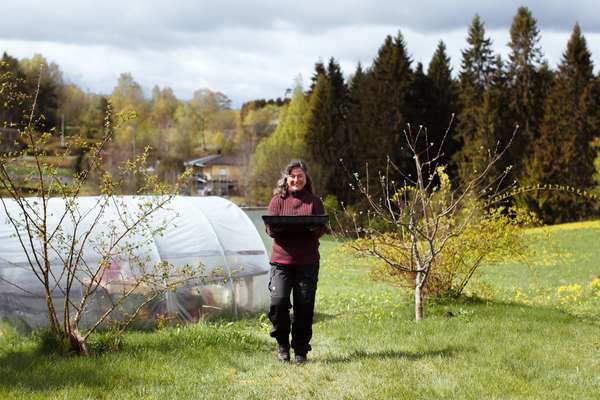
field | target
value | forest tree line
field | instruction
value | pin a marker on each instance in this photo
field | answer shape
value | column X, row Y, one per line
column 342, row 124
column 550, row 118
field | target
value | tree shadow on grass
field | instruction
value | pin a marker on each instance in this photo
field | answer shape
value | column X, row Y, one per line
column 322, row 317
column 359, row 355
column 528, row 312
column 28, row 371
column 24, row 371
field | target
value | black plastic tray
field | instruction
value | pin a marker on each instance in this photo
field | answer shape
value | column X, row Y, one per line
column 295, row 219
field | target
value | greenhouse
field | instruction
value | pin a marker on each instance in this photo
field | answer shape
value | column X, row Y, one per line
column 209, row 237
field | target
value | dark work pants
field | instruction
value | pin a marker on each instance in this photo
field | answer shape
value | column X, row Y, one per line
column 301, row 283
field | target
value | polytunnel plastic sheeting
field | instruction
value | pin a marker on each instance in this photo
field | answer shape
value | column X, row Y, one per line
column 210, row 234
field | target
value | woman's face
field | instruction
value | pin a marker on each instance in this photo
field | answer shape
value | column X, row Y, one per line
column 296, row 180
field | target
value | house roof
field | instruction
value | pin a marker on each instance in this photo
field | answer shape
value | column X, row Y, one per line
column 213, row 159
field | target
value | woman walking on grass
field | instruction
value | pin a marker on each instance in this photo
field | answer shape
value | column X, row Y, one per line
column 294, row 263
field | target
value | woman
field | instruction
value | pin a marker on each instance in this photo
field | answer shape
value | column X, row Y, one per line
column 294, row 263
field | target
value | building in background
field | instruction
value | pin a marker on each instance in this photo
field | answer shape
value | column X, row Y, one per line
column 215, row 175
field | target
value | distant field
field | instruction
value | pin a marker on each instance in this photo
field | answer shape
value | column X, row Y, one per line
column 27, row 165
column 25, row 171
column 523, row 338
column 564, row 271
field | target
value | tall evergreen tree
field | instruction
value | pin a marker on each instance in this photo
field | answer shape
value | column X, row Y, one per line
column 526, row 86
column 596, row 141
column 444, row 97
column 562, row 153
column 494, row 126
column 477, row 72
column 327, row 131
column 421, row 99
column 319, row 70
column 340, row 100
column 320, row 141
column 387, row 106
column 357, row 122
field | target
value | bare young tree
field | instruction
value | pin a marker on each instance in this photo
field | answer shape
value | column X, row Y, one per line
column 72, row 243
column 410, row 223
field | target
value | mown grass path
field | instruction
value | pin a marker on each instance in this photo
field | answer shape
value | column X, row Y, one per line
column 514, row 343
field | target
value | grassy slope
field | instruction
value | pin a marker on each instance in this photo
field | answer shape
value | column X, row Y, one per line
column 365, row 346
column 565, row 255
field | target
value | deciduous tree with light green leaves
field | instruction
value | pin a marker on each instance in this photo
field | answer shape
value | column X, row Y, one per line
column 417, row 228
column 57, row 241
column 273, row 153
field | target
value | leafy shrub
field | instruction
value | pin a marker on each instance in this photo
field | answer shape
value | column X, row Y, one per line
column 494, row 236
column 438, row 233
column 50, row 343
column 106, row 341
column 491, row 237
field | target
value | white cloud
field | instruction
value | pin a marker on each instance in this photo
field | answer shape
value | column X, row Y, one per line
column 251, row 49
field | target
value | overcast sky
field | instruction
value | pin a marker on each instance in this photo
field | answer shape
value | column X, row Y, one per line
column 252, row 49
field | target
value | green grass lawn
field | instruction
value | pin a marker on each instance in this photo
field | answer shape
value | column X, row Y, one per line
column 520, row 340
column 563, row 272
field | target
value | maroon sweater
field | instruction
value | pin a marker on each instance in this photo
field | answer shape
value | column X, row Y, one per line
column 301, row 247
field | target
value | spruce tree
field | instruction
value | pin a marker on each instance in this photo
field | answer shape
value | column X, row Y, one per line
column 526, row 88
column 387, row 106
column 444, row 97
column 320, row 141
column 595, row 121
column 562, row 153
column 477, row 72
column 340, row 100
column 357, row 122
column 319, row 70
column 495, row 128
column 421, row 99
column 327, row 133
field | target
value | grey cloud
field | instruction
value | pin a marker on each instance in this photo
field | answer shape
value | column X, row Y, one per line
column 254, row 49
column 160, row 24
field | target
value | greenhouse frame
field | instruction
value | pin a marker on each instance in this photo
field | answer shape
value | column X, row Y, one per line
column 209, row 236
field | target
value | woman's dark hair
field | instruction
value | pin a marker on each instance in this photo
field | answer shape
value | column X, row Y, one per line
column 282, row 187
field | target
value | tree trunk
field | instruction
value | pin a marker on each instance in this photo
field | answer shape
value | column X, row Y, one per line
column 52, row 319
column 77, row 342
column 418, row 296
